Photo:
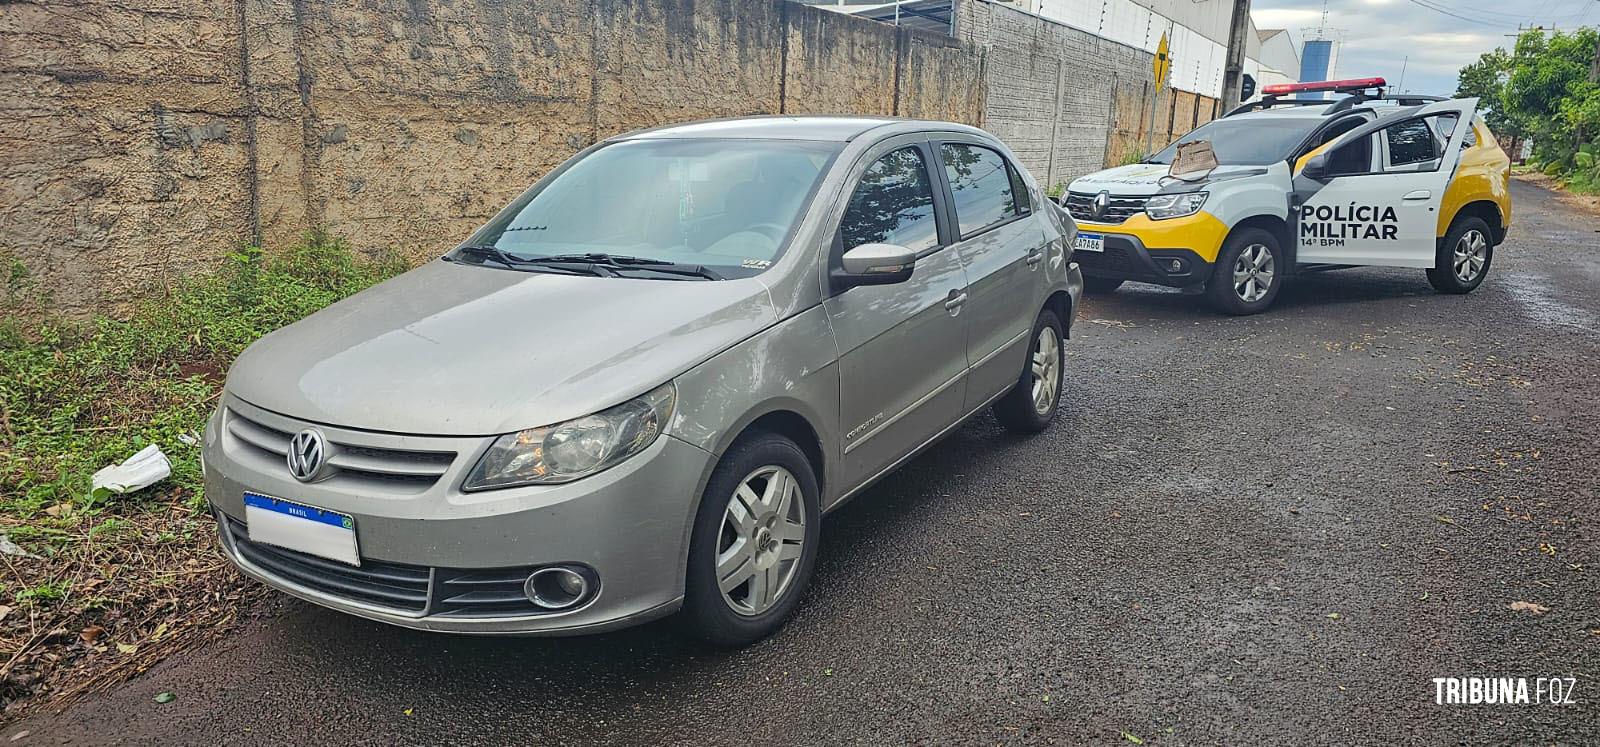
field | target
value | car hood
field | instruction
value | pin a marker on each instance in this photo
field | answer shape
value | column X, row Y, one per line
column 450, row 349
column 1143, row 179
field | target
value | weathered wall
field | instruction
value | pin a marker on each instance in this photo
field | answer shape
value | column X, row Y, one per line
column 139, row 141
column 1067, row 101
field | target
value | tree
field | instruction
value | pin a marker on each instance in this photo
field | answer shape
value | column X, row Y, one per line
column 1546, row 89
column 1486, row 80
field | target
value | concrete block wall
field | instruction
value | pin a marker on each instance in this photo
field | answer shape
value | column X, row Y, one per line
column 141, row 141
column 1067, row 101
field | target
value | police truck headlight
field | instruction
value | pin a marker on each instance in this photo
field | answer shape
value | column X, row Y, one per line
column 1161, row 207
column 576, row 448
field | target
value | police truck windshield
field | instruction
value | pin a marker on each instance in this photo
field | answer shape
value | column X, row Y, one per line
column 1246, row 141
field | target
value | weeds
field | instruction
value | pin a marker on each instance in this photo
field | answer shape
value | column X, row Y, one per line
column 78, row 395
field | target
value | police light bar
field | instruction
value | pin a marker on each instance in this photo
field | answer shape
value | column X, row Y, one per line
column 1340, row 86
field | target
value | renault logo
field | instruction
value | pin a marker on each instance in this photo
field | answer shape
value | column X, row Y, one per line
column 306, row 451
column 1102, row 201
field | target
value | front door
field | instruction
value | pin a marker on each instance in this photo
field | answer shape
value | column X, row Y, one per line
column 1377, row 200
column 1003, row 250
column 902, row 347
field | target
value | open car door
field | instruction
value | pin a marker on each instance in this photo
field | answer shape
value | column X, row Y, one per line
column 1373, row 197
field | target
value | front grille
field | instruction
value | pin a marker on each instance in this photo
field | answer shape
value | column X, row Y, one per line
column 355, row 465
column 1122, row 207
column 408, row 589
column 1114, row 258
column 403, row 588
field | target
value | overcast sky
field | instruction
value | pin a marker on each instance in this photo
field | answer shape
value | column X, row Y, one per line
column 1380, row 34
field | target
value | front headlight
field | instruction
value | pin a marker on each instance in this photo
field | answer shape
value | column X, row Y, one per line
column 1161, row 207
column 577, row 448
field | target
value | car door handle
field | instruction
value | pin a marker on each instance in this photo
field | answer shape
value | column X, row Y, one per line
column 1035, row 256
column 1421, row 194
column 956, row 299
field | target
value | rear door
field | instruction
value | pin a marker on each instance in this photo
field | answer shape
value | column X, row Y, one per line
column 1003, row 250
column 1378, row 201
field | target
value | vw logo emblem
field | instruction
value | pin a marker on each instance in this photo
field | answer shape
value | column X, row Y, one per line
column 1102, row 201
column 306, row 451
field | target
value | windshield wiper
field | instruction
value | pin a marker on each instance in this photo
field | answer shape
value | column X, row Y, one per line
column 624, row 262
column 491, row 253
column 500, row 256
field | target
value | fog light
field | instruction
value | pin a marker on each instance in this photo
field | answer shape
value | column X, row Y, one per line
column 556, row 587
column 1177, row 265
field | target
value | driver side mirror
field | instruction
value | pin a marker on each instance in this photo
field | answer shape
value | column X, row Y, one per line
column 1317, row 167
column 874, row 264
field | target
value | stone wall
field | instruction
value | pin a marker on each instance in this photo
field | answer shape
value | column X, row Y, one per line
column 1067, row 101
column 140, row 141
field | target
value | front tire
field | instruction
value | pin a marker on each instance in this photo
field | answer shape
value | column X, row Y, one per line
column 1032, row 403
column 1248, row 273
column 754, row 543
column 1463, row 257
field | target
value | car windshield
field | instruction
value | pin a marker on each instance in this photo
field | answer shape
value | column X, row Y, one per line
column 722, row 204
column 1246, row 141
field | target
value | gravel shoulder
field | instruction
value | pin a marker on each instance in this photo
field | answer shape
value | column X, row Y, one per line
column 1274, row 528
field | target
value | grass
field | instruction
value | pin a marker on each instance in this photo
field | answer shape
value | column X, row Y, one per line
column 77, row 395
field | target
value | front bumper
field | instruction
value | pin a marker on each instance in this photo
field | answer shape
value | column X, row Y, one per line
column 1126, row 258
column 629, row 525
column 1144, row 250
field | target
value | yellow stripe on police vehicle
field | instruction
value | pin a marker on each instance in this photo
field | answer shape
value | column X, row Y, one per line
column 1342, row 175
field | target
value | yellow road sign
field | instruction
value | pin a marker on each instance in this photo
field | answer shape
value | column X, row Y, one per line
column 1162, row 64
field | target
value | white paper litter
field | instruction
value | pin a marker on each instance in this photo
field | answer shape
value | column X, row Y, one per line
column 140, row 471
column 8, row 547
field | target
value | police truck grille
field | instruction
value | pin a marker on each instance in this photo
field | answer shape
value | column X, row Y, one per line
column 1081, row 206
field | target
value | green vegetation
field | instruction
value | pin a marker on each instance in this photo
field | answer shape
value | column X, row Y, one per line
column 1132, row 157
column 140, row 570
column 1545, row 90
column 77, row 395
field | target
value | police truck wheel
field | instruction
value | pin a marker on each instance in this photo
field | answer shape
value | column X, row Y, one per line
column 1463, row 257
column 1100, row 285
column 1248, row 273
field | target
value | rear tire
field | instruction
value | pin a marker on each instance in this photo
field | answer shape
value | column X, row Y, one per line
column 1100, row 285
column 1248, row 273
column 1463, row 258
column 1032, row 403
column 745, row 531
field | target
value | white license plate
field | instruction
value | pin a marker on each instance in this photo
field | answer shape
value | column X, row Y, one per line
column 302, row 528
column 1089, row 242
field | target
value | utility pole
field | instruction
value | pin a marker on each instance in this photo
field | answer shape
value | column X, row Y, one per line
column 1233, row 73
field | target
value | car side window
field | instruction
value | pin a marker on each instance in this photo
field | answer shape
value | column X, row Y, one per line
column 1354, row 157
column 1019, row 187
column 1417, row 144
column 982, row 185
column 892, row 204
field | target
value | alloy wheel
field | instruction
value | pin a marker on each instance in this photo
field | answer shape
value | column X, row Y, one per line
column 1252, row 273
column 1045, row 369
column 1471, row 254
column 761, row 540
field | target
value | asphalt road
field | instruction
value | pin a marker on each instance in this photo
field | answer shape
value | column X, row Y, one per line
column 1277, row 528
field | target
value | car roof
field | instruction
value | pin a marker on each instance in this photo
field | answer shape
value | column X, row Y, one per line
column 780, row 127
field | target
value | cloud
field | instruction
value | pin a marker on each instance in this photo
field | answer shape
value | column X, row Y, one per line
column 1384, row 37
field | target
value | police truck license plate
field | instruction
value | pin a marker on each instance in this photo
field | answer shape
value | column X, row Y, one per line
column 302, row 528
column 1089, row 242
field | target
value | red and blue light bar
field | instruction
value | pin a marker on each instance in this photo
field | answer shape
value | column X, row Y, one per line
column 1337, row 86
